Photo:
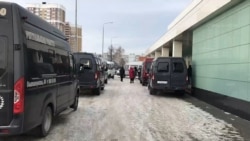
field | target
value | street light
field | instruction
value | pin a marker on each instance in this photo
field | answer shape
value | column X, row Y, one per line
column 103, row 35
column 76, row 26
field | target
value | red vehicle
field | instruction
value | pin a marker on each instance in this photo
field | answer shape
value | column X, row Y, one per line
column 145, row 70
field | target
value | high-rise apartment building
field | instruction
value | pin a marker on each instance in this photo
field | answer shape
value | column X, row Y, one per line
column 52, row 13
column 55, row 15
column 70, row 32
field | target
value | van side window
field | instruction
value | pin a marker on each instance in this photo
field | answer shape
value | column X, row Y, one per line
column 163, row 67
column 38, row 64
column 98, row 64
column 46, row 63
column 178, row 67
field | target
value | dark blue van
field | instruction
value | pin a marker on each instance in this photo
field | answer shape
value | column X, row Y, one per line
column 90, row 72
column 37, row 78
column 168, row 74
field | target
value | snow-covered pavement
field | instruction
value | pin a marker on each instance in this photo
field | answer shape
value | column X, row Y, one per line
column 126, row 112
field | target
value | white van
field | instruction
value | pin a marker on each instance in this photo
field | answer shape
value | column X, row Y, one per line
column 127, row 66
column 111, row 69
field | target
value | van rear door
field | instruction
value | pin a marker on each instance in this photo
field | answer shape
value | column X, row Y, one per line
column 88, row 76
column 178, row 73
column 6, row 64
column 162, row 73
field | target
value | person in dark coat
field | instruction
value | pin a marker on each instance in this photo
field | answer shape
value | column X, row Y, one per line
column 139, row 73
column 122, row 73
column 136, row 71
column 131, row 74
column 189, row 74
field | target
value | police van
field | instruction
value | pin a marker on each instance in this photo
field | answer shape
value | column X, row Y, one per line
column 37, row 79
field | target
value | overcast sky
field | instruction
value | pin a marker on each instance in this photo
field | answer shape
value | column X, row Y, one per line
column 137, row 24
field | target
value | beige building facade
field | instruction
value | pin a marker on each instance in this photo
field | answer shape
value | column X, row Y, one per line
column 70, row 32
column 52, row 13
column 55, row 15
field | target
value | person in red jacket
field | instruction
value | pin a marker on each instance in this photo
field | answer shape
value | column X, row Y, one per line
column 131, row 74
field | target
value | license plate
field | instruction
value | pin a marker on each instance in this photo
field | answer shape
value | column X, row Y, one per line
column 162, row 82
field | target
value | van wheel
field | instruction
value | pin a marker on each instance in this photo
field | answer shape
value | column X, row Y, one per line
column 113, row 77
column 44, row 128
column 102, row 88
column 143, row 83
column 74, row 106
column 106, row 81
column 97, row 91
column 151, row 90
column 181, row 93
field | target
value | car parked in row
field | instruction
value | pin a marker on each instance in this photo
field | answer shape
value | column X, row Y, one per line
column 37, row 73
column 90, row 72
column 168, row 74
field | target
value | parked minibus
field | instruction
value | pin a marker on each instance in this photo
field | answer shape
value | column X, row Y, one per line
column 111, row 69
column 90, row 73
column 168, row 74
column 37, row 79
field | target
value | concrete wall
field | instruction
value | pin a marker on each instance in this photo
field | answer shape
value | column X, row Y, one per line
column 221, row 53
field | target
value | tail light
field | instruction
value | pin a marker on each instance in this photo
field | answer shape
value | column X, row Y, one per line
column 96, row 76
column 18, row 96
column 153, row 77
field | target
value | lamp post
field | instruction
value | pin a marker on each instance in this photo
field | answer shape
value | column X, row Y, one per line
column 103, row 35
column 76, row 26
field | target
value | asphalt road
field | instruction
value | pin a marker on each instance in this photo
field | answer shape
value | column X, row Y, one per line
column 126, row 112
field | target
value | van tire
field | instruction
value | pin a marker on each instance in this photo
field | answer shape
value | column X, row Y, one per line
column 97, row 91
column 44, row 128
column 106, row 81
column 102, row 88
column 151, row 90
column 74, row 106
column 181, row 93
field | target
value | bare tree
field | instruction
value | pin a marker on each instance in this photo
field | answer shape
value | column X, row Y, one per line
column 122, row 62
column 116, row 55
column 111, row 51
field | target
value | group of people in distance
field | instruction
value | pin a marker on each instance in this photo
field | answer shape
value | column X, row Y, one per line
column 133, row 71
